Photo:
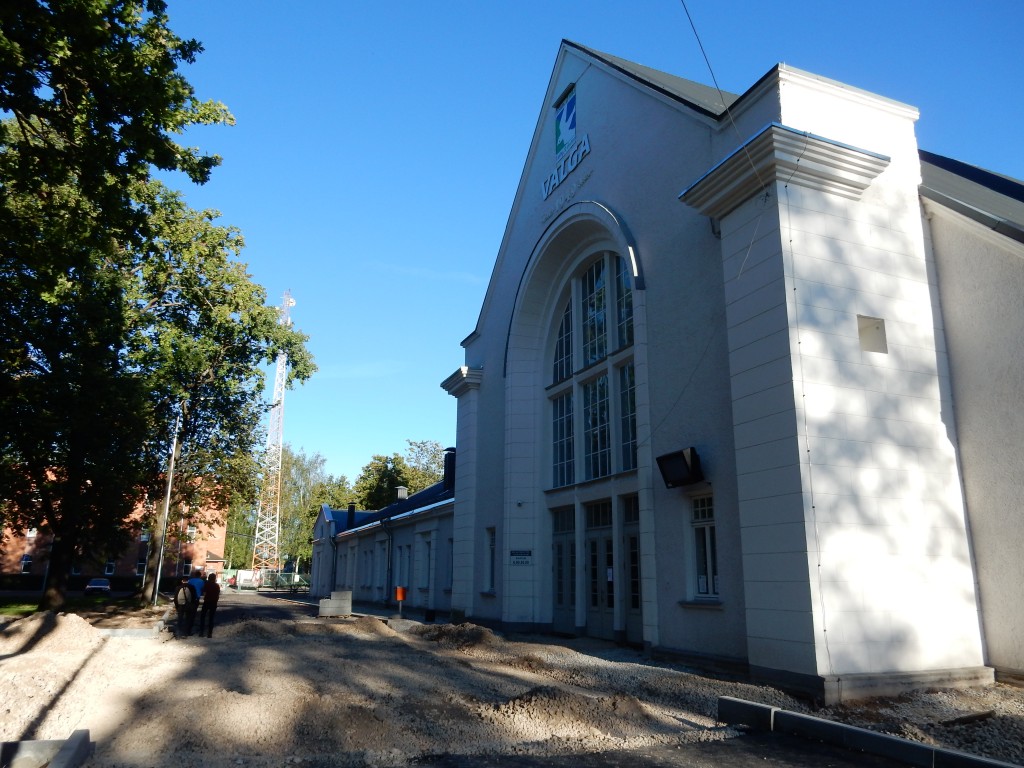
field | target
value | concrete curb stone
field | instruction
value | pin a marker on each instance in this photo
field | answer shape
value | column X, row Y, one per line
column 55, row 753
column 763, row 717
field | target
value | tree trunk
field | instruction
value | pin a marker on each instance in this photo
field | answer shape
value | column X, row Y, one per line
column 55, row 586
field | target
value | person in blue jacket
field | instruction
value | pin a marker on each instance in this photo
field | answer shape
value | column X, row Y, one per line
column 197, row 584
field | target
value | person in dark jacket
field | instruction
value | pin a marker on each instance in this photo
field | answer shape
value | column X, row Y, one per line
column 211, row 595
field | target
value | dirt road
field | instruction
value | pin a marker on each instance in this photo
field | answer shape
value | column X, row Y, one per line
column 357, row 692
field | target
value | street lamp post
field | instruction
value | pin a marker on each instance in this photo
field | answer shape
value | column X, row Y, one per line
column 167, row 508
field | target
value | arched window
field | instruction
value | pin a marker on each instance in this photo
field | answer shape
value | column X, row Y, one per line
column 592, row 366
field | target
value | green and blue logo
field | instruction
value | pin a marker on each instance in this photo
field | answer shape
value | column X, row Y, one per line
column 565, row 125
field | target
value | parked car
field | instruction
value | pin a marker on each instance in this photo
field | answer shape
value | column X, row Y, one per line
column 98, row 587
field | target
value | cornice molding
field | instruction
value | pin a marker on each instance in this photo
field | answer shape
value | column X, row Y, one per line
column 779, row 153
column 462, row 381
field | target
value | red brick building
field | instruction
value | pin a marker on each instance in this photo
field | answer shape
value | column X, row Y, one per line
column 187, row 547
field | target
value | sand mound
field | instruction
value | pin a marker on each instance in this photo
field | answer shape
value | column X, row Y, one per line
column 47, row 631
column 374, row 627
column 458, row 636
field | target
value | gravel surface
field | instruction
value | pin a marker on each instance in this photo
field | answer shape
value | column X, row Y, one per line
column 356, row 691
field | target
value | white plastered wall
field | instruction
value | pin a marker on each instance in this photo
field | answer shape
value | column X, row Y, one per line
column 855, row 548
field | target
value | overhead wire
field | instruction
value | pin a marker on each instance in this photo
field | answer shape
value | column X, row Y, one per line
column 765, row 195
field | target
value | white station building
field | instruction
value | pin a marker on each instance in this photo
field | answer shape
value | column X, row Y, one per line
column 745, row 388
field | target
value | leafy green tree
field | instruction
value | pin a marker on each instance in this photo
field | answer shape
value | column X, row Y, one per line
column 425, row 459
column 376, row 484
column 240, row 535
column 420, row 467
column 121, row 309
column 201, row 332
column 305, row 486
column 95, row 98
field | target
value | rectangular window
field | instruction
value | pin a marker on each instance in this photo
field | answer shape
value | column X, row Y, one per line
column 627, row 416
column 630, row 509
column 596, row 430
column 381, row 561
column 595, row 335
column 186, row 567
column 144, row 536
column 623, row 302
column 190, row 532
column 425, row 566
column 109, row 569
column 599, row 515
column 26, row 563
column 140, row 567
column 451, row 564
column 705, row 552
column 492, row 559
column 563, row 347
column 563, row 470
column 563, row 520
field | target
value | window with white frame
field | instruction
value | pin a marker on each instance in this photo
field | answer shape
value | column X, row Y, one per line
column 592, row 365
column 26, row 563
column 704, row 547
column 627, row 416
column 563, row 467
column 596, row 430
column 108, row 569
column 140, row 567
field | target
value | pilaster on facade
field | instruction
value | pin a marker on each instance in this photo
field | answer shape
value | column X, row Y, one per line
column 805, row 311
column 464, row 384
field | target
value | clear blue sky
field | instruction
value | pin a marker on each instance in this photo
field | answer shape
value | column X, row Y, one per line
column 379, row 144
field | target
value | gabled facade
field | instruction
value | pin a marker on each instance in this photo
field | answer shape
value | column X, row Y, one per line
column 727, row 395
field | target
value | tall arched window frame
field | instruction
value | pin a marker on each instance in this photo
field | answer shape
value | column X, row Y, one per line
column 592, row 389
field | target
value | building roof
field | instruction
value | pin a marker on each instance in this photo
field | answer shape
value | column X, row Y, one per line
column 989, row 198
column 423, row 500
column 709, row 100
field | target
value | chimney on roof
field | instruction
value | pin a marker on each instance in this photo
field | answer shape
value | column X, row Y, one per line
column 351, row 522
column 402, row 492
column 449, row 469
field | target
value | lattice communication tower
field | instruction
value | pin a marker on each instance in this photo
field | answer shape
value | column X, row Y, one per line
column 268, row 519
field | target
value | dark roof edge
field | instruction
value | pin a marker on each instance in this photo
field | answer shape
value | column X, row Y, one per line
column 1003, row 185
column 634, row 76
column 996, row 224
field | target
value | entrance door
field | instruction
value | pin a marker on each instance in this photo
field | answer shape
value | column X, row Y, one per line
column 600, row 574
column 634, row 611
column 631, row 596
column 563, row 565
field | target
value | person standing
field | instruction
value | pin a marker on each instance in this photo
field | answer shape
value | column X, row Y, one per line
column 185, row 605
column 197, row 584
column 211, row 595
